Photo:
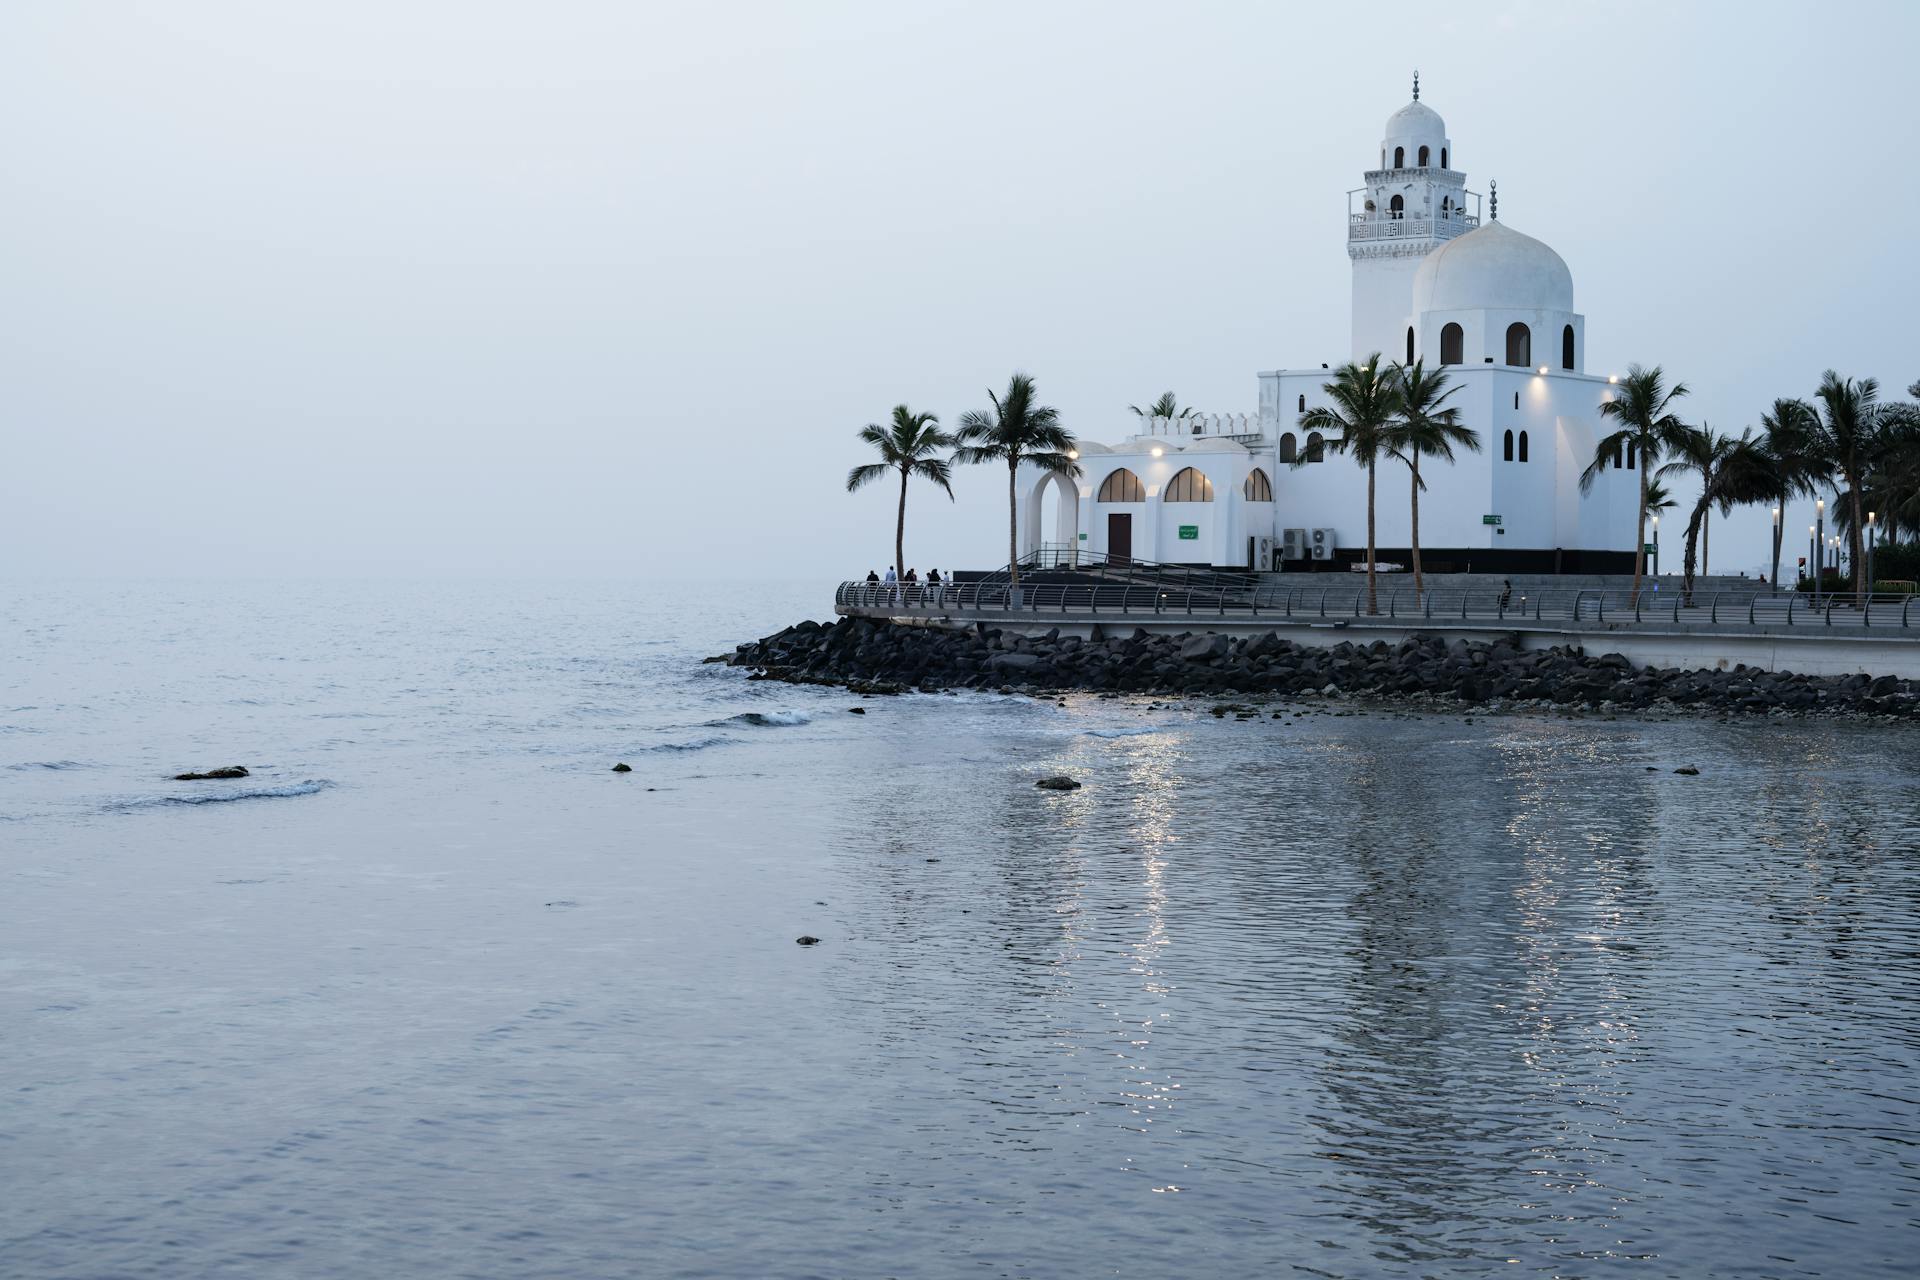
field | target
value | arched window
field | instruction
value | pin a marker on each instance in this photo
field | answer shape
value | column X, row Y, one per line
column 1258, row 488
column 1303, row 402
column 1423, row 157
column 1516, row 399
column 1523, row 446
column 1188, row 485
column 1443, row 157
column 1566, row 347
column 1519, row 344
column 1506, row 448
column 1289, row 448
column 1630, row 453
column 1122, row 486
column 1446, row 206
column 1399, row 157
column 1316, row 447
column 1452, row 340
column 1409, row 344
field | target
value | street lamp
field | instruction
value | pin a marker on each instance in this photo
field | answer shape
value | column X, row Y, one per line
column 1820, row 540
column 1870, row 532
column 1656, row 546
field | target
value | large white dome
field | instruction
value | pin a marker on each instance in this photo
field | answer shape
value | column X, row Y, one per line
column 1493, row 268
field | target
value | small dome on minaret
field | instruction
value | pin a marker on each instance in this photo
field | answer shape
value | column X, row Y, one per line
column 1411, row 128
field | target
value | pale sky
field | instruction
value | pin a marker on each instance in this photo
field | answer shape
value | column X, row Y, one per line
column 592, row 289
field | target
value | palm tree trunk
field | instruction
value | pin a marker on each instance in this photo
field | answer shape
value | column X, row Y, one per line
column 1417, row 581
column 1779, row 527
column 900, row 532
column 1640, row 537
column 1860, row 585
column 1695, row 527
column 1373, row 599
column 1013, row 524
column 1706, row 536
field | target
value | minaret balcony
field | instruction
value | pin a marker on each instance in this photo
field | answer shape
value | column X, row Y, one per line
column 1363, row 227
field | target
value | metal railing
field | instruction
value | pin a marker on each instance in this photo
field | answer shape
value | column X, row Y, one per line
column 1120, row 589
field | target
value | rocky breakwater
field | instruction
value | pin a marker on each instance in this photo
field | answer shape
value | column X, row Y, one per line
column 882, row 657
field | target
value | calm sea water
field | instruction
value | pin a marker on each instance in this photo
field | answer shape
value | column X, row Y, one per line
column 434, row 993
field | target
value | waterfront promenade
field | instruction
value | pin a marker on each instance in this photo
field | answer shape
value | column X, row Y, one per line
column 1715, row 628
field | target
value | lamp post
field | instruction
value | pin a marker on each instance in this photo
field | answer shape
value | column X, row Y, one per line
column 1777, row 531
column 1870, row 533
column 1819, row 541
column 1813, row 564
column 1656, row 546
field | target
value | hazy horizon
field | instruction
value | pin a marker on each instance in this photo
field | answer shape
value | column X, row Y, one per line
column 596, row 290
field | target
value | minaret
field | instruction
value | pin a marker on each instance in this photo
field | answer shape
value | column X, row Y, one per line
column 1411, row 204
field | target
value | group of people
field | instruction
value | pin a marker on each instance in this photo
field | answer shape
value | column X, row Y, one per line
column 927, row 590
column 933, row 577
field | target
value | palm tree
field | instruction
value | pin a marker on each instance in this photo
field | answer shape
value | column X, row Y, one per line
column 1423, row 426
column 905, row 446
column 1649, row 427
column 1016, row 430
column 1366, row 400
column 1787, row 431
column 1167, row 406
column 1852, row 441
column 1658, row 499
column 1732, row 473
column 1702, row 451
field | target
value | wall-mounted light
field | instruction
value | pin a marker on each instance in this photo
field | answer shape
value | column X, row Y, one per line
column 1157, row 451
column 1543, row 370
column 1074, row 454
column 1613, row 378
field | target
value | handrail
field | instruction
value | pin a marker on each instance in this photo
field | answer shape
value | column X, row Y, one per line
column 1106, row 595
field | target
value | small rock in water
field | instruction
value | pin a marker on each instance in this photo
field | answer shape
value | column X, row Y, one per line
column 623, row 768
column 1057, row 784
column 856, row 711
column 1688, row 769
column 807, row 940
column 231, row 771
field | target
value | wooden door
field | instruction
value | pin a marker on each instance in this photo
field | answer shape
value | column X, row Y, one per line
column 1119, row 536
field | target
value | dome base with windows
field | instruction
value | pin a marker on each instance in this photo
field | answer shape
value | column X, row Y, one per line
column 1432, row 282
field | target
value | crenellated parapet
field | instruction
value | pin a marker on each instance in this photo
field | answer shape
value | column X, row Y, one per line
column 1230, row 425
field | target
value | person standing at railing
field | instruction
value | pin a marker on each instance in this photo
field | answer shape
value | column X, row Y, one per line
column 891, row 586
column 933, row 586
column 872, row 577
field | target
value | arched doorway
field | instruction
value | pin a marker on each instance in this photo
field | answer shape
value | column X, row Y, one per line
column 1052, row 519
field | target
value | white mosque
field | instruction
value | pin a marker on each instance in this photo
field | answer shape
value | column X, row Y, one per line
column 1431, row 280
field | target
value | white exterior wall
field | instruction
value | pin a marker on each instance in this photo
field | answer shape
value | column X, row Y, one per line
column 1539, row 501
column 1383, row 301
column 1223, row 525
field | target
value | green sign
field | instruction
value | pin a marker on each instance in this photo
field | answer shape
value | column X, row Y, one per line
column 1649, row 548
column 1189, row 533
column 1083, row 537
column 1489, row 519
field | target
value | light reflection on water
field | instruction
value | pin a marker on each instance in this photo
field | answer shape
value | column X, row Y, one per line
column 1396, row 995
column 1345, row 995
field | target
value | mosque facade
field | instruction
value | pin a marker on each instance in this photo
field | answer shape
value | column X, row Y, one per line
column 1435, row 280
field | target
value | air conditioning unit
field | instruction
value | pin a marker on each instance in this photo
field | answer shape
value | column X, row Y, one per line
column 1293, row 544
column 1323, row 544
column 1263, row 553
